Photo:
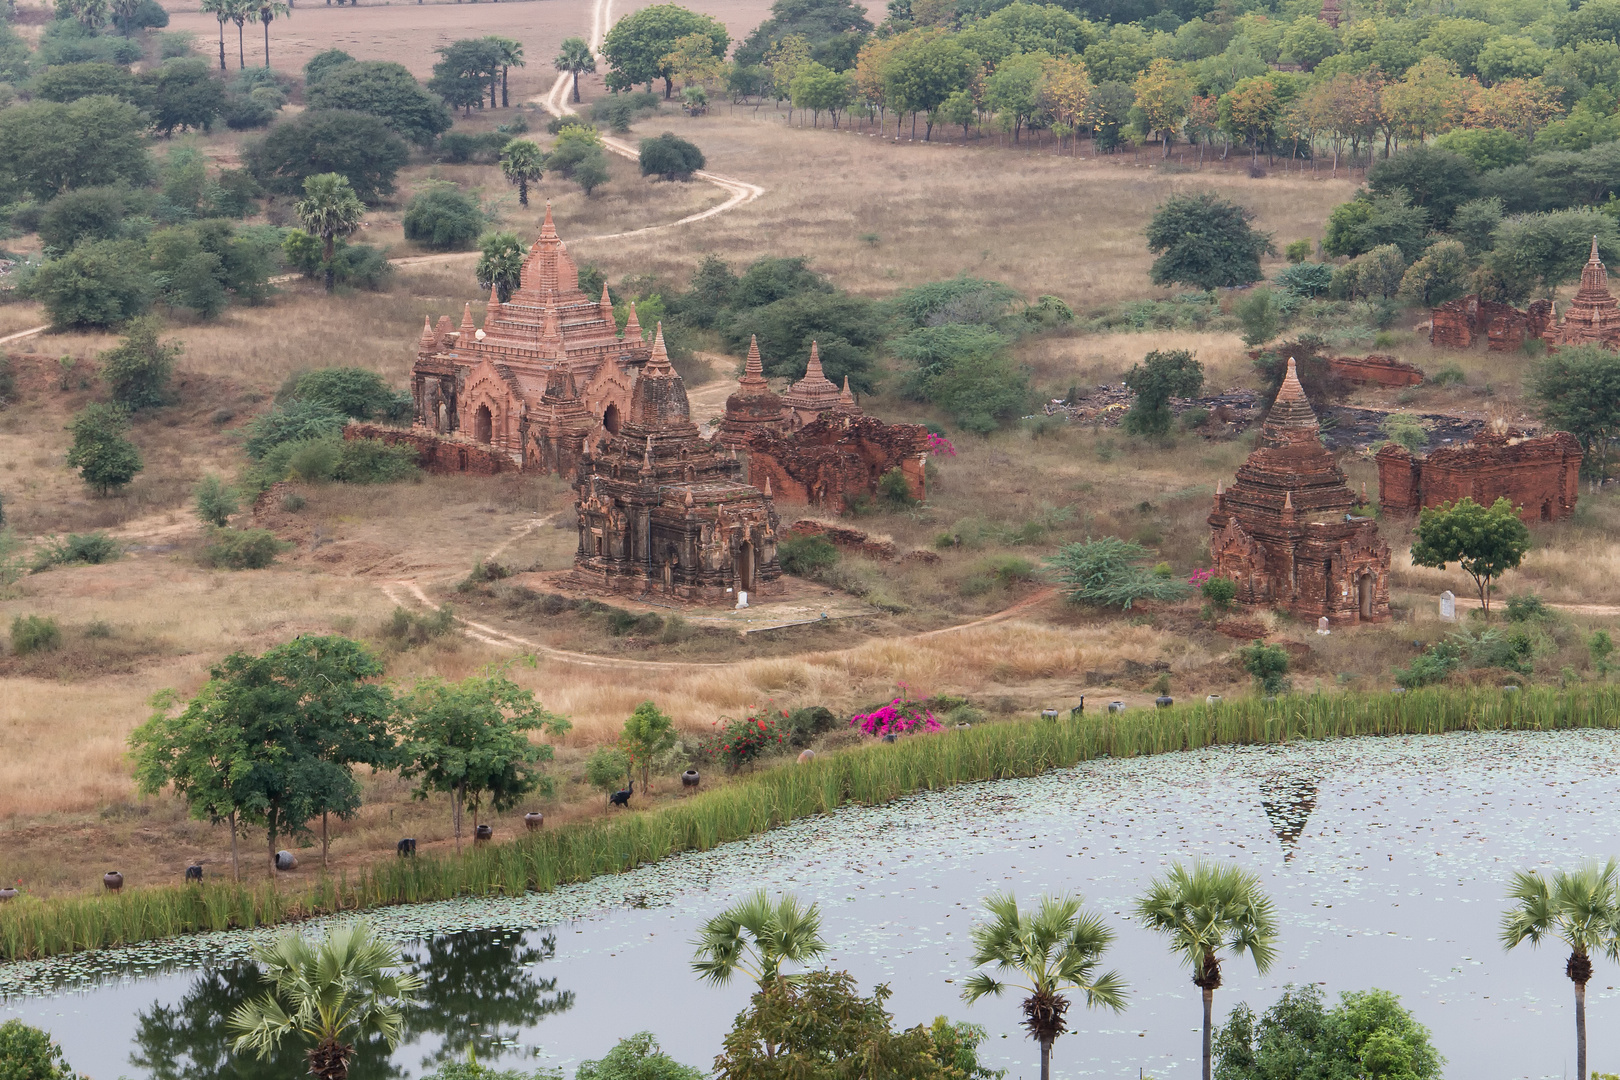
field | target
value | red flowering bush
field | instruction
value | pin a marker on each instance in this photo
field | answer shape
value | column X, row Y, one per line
column 898, row 717
column 940, row 446
column 742, row 742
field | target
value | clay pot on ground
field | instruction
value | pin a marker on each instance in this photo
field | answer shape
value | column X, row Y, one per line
column 1116, row 706
column 113, row 880
column 286, row 860
column 1212, row 699
column 890, row 737
column 7, row 893
column 806, row 756
column 690, row 778
column 483, row 834
column 534, row 819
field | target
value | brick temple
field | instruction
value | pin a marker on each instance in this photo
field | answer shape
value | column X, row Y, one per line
column 662, row 510
column 546, row 371
column 812, row 443
column 1540, row 476
column 1593, row 316
column 1284, row 532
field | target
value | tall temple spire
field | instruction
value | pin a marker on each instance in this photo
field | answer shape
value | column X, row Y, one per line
column 754, row 368
column 606, row 304
column 632, row 327
column 548, row 230
column 845, row 397
column 430, row 341
column 658, row 365
column 1291, row 408
column 465, row 341
column 494, row 308
column 812, row 371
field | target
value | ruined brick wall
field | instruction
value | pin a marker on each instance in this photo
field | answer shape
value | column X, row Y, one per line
column 1379, row 369
column 845, row 539
column 436, row 453
column 1539, row 476
column 1452, row 324
column 1460, row 323
column 834, row 457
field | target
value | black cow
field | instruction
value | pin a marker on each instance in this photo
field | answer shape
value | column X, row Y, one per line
column 406, row 847
column 194, row 873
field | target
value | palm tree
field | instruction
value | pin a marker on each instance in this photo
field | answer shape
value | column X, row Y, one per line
column 347, row 987
column 1212, row 908
column 241, row 11
column 509, row 54
column 1057, row 947
column 575, row 57
column 221, row 10
column 523, row 162
column 268, row 10
column 329, row 209
column 757, row 938
column 1581, row 909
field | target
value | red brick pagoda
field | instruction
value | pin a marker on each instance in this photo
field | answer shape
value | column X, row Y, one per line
column 1284, row 532
column 1593, row 317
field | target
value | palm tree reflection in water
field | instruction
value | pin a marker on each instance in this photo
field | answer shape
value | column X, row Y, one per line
column 478, row 991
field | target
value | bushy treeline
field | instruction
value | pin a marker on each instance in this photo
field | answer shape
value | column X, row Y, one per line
column 301, row 437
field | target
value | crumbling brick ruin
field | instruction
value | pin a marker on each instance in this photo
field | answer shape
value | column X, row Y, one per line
column 833, row 458
column 1283, row 531
column 812, row 444
column 548, row 369
column 1460, row 323
column 1378, row 369
column 440, row 454
column 1539, row 476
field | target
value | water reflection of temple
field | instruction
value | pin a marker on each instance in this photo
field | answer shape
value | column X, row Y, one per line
column 1288, row 800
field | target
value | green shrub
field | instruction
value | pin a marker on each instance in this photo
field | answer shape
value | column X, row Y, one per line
column 637, row 1058
column 293, row 422
column 670, row 157
column 1450, row 375
column 34, row 633
column 1306, row 280
column 894, row 489
column 1268, row 665
column 407, row 629
column 90, row 549
column 1220, row 592
column 1298, row 251
column 215, row 503
column 482, row 573
column 372, row 461
column 1109, row 573
column 1406, row 430
column 607, row 768
column 27, row 1053
column 443, row 219
column 315, row 460
column 1435, row 664
column 805, row 724
column 805, row 556
column 1527, row 608
column 352, row 391
column 241, row 549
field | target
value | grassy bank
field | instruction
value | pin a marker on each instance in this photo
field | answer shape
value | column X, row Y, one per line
column 32, row 928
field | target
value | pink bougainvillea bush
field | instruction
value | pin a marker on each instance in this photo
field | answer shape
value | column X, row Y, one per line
column 940, row 446
column 899, row 717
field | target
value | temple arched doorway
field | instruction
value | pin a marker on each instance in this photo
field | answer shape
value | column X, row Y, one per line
column 610, row 419
column 483, row 424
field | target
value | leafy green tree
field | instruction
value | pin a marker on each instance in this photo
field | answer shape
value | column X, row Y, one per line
column 670, row 157
column 469, row 67
column 181, row 94
column 523, row 163
column 1486, row 542
column 1378, row 272
column 27, row 1053
column 1436, row 180
column 1204, row 912
column 1206, row 242
column 821, row 89
column 979, row 391
column 638, row 49
column 575, row 58
column 203, row 752
column 1162, row 375
column 347, row 987
column 1364, row 223
column 922, row 74
column 1267, row 665
column 97, row 284
column 104, row 457
column 833, row 31
column 756, row 937
column 1578, row 390
column 385, row 90
column 137, row 371
column 329, row 209
column 648, row 733
column 818, row 1027
column 1260, row 316
column 47, row 147
column 323, row 64
column 607, row 768
column 470, row 740
column 1487, row 148
column 1536, row 253
column 352, row 391
column 500, row 263
column 578, row 155
column 443, row 219
column 95, row 213
column 1440, row 275
column 214, row 502
column 1475, row 224
column 1013, row 91
column 1366, row 1034
column 357, row 146
column 1580, row 908
column 70, row 82
column 1110, row 573
column 1053, row 949
column 637, row 1058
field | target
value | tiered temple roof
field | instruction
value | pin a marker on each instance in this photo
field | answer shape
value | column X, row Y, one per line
column 1594, row 316
column 814, row 394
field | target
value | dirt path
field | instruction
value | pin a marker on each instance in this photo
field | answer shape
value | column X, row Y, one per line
column 20, row 334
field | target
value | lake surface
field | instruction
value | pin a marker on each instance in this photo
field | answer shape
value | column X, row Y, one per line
column 1388, row 859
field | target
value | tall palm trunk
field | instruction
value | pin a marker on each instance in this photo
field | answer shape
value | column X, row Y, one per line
column 460, row 797
column 576, row 87
column 329, row 250
column 267, row 46
column 1579, row 970
column 1046, row 1058
column 241, row 50
column 222, row 45
column 236, row 866
column 1209, row 1008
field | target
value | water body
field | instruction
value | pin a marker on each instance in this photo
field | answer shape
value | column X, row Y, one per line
column 1388, row 859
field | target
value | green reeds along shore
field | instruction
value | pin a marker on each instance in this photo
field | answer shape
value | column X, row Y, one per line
column 31, row 928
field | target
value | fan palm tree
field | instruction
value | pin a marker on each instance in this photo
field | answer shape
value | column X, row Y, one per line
column 344, row 988
column 523, row 162
column 1211, row 909
column 575, row 58
column 1581, row 908
column 241, row 11
column 329, row 209
column 268, row 10
column 1055, row 948
column 509, row 54
column 757, row 937
column 221, row 10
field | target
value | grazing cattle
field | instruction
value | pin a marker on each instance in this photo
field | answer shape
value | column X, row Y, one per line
column 622, row 798
column 406, row 847
column 194, row 872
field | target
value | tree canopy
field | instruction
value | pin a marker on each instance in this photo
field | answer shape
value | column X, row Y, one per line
column 638, row 47
column 1486, row 542
column 355, row 145
column 1205, row 241
column 385, row 90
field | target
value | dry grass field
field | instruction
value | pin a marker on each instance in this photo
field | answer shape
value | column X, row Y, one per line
column 876, row 215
